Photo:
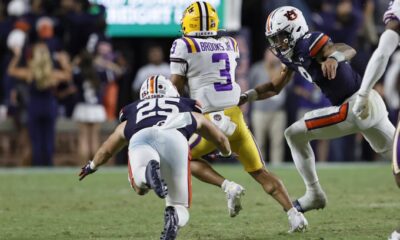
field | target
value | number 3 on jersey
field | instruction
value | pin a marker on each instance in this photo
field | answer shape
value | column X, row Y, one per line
column 217, row 57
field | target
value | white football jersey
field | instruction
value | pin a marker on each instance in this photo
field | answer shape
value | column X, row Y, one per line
column 209, row 65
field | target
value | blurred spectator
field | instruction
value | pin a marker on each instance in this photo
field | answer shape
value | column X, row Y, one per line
column 89, row 112
column 340, row 21
column 42, row 106
column 310, row 98
column 109, row 72
column 268, row 118
column 155, row 66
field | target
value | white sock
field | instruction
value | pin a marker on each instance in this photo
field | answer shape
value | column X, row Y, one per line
column 183, row 215
column 224, row 184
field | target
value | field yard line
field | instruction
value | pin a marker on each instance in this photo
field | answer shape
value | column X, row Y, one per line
column 119, row 169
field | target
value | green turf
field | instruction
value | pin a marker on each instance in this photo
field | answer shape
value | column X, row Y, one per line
column 40, row 204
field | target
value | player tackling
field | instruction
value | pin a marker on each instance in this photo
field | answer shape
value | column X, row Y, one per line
column 157, row 129
column 206, row 62
column 318, row 60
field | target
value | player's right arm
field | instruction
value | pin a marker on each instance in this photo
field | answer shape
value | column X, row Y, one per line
column 269, row 89
column 179, row 64
column 210, row 132
column 114, row 143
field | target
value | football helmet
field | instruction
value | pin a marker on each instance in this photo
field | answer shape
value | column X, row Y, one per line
column 157, row 86
column 200, row 19
column 285, row 25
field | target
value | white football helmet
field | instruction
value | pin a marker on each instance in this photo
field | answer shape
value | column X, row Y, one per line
column 285, row 25
column 157, row 86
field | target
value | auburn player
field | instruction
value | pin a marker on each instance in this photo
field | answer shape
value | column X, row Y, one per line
column 206, row 63
column 388, row 43
column 157, row 129
column 318, row 60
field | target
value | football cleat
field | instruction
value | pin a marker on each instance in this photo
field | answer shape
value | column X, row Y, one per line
column 308, row 203
column 170, row 224
column 394, row 236
column 297, row 221
column 234, row 193
column 154, row 180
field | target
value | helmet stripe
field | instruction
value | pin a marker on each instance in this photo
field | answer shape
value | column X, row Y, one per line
column 207, row 16
column 151, row 90
column 156, row 84
column 201, row 16
column 268, row 23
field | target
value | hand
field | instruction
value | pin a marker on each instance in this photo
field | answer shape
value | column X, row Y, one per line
column 329, row 68
column 360, row 108
column 244, row 97
column 86, row 170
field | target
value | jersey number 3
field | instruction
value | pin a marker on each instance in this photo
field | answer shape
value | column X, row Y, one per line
column 146, row 109
column 219, row 87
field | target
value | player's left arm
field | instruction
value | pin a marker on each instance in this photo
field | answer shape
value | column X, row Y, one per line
column 331, row 54
column 115, row 142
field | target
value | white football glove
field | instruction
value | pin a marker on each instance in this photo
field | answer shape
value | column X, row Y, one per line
column 297, row 221
column 360, row 108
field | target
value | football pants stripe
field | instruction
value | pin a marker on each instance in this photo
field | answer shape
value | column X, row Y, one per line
column 318, row 45
column 396, row 151
column 131, row 180
column 328, row 120
column 189, row 179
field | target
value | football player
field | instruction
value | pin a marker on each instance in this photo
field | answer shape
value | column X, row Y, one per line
column 388, row 43
column 157, row 129
column 206, row 62
column 320, row 61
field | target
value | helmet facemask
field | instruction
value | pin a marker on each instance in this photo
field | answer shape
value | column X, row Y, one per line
column 281, row 42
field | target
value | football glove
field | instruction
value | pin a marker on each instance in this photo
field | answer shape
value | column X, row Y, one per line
column 360, row 108
column 86, row 170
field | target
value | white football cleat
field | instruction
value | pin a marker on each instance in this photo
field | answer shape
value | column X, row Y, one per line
column 297, row 221
column 234, row 192
column 311, row 200
column 394, row 236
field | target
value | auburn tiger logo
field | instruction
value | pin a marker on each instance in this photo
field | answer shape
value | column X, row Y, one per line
column 291, row 15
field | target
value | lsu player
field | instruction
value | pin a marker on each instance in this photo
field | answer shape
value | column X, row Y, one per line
column 388, row 43
column 157, row 129
column 318, row 60
column 206, row 63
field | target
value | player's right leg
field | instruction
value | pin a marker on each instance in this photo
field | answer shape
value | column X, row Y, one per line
column 144, row 164
column 175, row 169
column 204, row 172
column 324, row 123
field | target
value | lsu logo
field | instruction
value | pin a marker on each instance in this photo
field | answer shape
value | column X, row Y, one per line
column 291, row 15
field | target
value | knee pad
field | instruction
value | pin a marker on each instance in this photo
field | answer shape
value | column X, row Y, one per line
column 183, row 215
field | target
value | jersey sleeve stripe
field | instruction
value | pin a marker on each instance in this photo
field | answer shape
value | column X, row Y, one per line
column 328, row 120
column 190, row 44
column 234, row 43
column 318, row 45
column 177, row 60
column 196, row 45
column 187, row 45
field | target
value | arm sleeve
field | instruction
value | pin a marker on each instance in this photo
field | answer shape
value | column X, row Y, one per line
column 389, row 85
column 377, row 64
column 178, row 57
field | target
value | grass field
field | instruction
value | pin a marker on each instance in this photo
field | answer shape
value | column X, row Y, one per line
column 53, row 204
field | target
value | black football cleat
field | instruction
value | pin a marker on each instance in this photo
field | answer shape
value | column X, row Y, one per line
column 154, row 180
column 297, row 205
column 170, row 224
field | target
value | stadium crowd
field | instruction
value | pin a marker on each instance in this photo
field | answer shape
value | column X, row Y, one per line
column 56, row 62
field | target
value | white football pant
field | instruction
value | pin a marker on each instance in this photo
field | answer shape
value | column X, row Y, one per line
column 170, row 148
column 334, row 122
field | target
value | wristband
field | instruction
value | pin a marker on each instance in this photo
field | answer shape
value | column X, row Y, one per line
column 92, row 165
column 226, row 155
column 252, row 95
column 338, row 56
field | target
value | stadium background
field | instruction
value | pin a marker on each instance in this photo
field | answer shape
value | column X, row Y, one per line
column 75, row 26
